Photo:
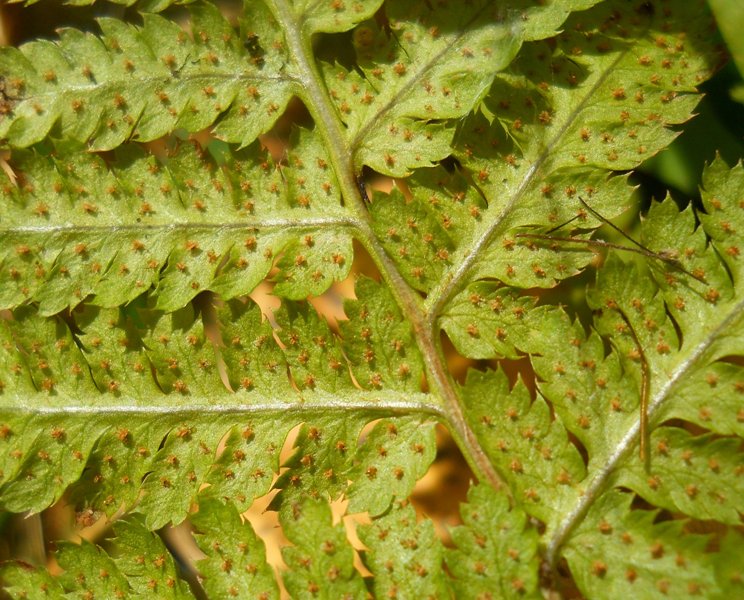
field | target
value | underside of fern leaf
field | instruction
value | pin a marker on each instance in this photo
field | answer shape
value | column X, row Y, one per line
column 446, row 164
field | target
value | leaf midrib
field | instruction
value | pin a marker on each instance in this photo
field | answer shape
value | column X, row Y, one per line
column 257, row 224
column 336, row 403
column 134, row 81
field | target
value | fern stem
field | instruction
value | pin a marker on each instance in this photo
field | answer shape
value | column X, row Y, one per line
column 313, row 93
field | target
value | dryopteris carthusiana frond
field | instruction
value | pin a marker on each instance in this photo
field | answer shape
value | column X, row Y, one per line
column 140, row 381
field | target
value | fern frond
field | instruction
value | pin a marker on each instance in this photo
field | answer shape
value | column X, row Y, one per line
column 140, row 383
column 140, row 566
column 549, row 132
column 74, row 226
column 679, row 331
column 320, row 559
column 138, row 362
column 531, row 452
column 404, row 555
column 235, row 562
column 428, row 64
column 144, row 82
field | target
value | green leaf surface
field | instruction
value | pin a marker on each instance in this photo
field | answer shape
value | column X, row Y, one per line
column 500, row 556
column 143, row 5
column 235, row 562
column 531, row 453
column 547, row 132
column 182, row 225
column 620, row 551
column 425, row 65
column 730, row 18
column 405, row 556
column 706, row 472
column 320, row 561
column 139, row 566
column 269, row 256
column 79, row 561
column 23, row 581
column 142, row 82
column 145, row 561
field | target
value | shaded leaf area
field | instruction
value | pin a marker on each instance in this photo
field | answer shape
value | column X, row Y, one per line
column 424, row 65
column 401, row 557
column 75, row 226
column 144, row 82
column 138, row 565
column 602, row 96
column 547, row 135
